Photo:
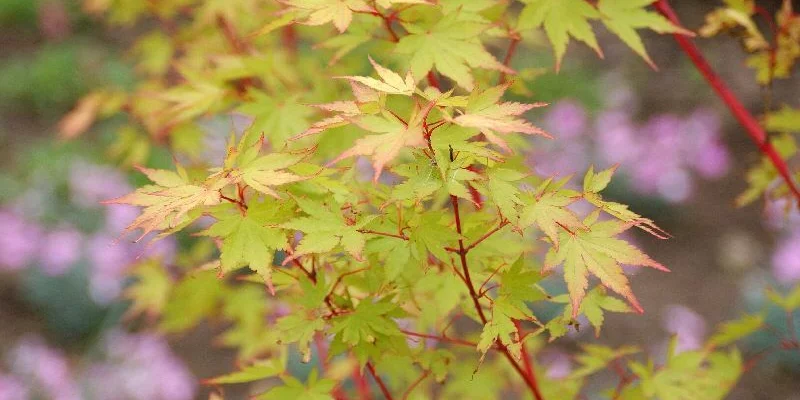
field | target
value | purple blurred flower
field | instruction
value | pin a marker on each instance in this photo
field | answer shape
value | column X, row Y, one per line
column 140, row 367
column 712, row 161
column 782, row 213
column 687, row 325
column 566, row 119
column 119, row 216
column 60, row 250
column 12, row 388
column 109, row 260
column 90, row 183
column 616, row 138
column 18, row 241
column 557, row 364
column 786, row 259
column 46, row 368
column 675, row 185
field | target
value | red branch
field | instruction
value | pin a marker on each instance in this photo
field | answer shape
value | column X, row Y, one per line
column 528, row 374
column 379, row 381
column 512, row 48
column 440, row 338
column 745, row 118
column 364, row 392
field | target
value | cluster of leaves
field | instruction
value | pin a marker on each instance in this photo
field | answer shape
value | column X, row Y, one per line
column 380, row 219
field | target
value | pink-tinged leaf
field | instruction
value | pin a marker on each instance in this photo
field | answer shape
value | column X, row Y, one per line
column 392, row 137
column 484, row 112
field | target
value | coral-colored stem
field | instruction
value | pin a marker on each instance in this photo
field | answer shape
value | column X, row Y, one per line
column 379, row 381
column 528, row 376
column 440, row 338
column 364, row 392
column 512, row 48
column 745, row 118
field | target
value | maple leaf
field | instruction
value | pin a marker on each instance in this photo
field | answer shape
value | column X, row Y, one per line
column 320, row 12
column 277, row 119
column 594, row 307
column 596, row 250
column 324, row 229
column 502, row 191
column 369, row 321
column 150, row 292
column 264, row 173
column 428, row 234
column 366, row 103
column 593, row 183
column 168, row 201
column 623, row 17
column 594, row 358
column 256, row 372
column 393, row 136
column 391, row 82
column 452, row 46
column 775, row 63
column 548, row 210
column 485, row 112
column 560, row 20
column 251, row 238
column 195, row 297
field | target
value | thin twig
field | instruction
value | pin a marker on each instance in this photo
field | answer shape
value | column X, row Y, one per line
column 440, row 338
column 416, row 383
column 379, row 381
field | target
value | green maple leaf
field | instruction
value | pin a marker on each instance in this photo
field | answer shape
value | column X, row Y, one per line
column 561, row 19
column 503, row 192
column 732, row 331
column 595, row 358
column 428, row 234
column 251, row 238
column 150, row 292
column 300, row 329
column 596, row 250
column 594, row 307
column 787, row 119
column 452, row 46
column 501, row 327
column 484, row 111
column 251, row 373
column 624, row 17
column 369, row 321
column 192, row 299
column 316, row 389
column 277, row 119
column 548, row 210
column 324, row 229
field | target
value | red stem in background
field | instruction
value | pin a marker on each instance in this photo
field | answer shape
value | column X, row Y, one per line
column 745, row 118
column 379, row 381
column 364, row 392
column 433, row 81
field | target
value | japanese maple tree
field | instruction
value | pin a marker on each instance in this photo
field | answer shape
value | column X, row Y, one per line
column 376, row 214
